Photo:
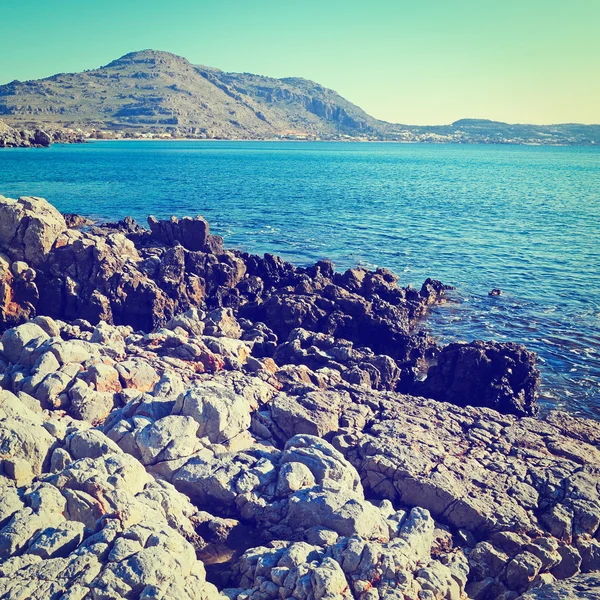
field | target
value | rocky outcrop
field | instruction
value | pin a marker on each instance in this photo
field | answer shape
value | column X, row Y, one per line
column 178, row 419
column 19, row 293
column 192, row 234
column 32, row 136
column 23, row 138
column 582, row 586
column 501, row 376
column 29, row 228
column 144, row 463
column 359, row 324
column 86, row 520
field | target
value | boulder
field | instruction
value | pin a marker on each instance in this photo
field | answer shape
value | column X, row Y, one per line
column 104, row 378
column 29, row 228
column 490, row 374
column 220, row 414
column 14, row 340
column 137, row 374
column 170, row 438
column 316, row 413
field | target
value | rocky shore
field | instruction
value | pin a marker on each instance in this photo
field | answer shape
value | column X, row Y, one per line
column 37, row 137
column 178, row 420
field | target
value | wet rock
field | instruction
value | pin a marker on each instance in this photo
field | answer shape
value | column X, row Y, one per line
column 498, row 376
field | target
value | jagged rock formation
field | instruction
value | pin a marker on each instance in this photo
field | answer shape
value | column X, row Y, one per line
column 152, row 92
column 210, row 456
column 129, row 471
column 14, row 138
column 36, row 137
column 491, row 369
column 358, row 322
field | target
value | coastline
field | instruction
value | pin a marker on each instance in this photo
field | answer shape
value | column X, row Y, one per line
column 573, row 370
column 353, row 141
column 267, row 413
column 336, row 141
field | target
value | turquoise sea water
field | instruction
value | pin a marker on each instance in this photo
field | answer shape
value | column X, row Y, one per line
column 524, row 219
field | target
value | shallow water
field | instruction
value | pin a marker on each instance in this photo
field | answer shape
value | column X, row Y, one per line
column 524, row 219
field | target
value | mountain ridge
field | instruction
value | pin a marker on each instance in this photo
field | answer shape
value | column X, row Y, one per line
column 157, row 93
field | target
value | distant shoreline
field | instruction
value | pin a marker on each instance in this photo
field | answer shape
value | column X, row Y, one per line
column 405, row 142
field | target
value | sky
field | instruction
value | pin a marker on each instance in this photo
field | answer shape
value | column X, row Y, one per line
column 404, row 61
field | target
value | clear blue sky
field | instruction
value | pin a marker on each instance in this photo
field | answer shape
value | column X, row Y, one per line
column 408, row 61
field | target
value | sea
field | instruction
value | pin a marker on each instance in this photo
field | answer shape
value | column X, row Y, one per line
column 525, row 219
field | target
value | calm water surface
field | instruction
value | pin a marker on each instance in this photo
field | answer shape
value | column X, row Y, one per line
column 525, row 219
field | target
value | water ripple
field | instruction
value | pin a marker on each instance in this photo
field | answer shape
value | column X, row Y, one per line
column 524, row 219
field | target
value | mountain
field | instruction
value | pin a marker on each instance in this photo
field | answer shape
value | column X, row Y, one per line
column 153, row 93
column 157, row 91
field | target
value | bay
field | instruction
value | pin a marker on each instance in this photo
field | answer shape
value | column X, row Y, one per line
column 525, row 219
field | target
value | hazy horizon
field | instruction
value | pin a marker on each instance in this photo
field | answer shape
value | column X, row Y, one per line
column 417, row 65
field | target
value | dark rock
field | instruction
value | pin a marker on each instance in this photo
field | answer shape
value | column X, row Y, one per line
column 192, row 234
column 570, row 563
column 128, row 226
column 499, row 376
column 41, row 138
column 359, row 324
column 75, row 221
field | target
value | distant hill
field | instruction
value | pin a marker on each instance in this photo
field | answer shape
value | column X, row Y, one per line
column 158, row 93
